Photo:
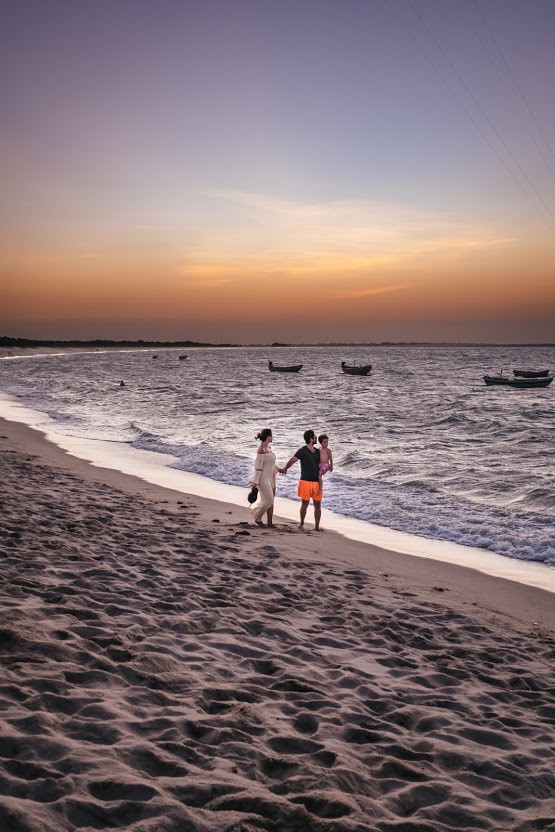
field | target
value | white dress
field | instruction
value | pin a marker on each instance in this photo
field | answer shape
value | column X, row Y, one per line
column 264, row 477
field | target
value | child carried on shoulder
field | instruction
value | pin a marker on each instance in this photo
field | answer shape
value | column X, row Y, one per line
column 326, row 458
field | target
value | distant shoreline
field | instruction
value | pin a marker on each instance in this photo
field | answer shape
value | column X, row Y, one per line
column 28, row 343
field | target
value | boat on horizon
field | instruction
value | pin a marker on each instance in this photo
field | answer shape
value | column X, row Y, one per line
column 291, row 368
column 531, row 373
column 506, row 381
column 356, row 369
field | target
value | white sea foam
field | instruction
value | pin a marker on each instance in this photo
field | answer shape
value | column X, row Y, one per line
column 417, row 448
column 158, row 468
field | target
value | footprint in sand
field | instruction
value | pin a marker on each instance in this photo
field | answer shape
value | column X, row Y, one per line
column 294, row 745
column 113, row 790
column 306, row 723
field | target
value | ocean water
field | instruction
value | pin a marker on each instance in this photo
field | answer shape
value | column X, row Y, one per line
column 421, row 445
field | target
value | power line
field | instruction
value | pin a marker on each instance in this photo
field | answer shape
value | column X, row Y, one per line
column 505, row 82
column 515, row 81
column 546, row 213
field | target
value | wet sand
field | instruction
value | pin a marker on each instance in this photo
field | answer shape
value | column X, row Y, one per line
column 165, row 665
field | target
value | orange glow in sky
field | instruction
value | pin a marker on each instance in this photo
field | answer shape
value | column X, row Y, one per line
column 243, row 177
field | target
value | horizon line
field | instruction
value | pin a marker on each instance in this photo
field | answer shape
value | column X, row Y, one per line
column 8, row 342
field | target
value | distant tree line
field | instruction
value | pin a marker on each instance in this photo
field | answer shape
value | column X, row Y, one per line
column 30, row 343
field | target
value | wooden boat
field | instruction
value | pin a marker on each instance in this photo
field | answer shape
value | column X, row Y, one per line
column 356, row 369
column 543, row 381
column 292, row 368
column 531, row 373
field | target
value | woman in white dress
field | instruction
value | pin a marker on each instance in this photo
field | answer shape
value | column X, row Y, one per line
column 264, row 478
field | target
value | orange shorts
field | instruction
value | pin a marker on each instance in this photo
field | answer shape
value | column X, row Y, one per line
column 309, row 491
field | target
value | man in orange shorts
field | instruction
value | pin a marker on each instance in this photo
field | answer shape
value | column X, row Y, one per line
column 309, row 483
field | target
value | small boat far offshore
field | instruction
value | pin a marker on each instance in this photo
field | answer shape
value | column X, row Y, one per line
column 531, row 373
column 182, row 357
column 356, row 369
column 501, row 380
column 291, row 368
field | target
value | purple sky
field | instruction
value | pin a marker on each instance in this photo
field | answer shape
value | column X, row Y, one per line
column 397, row 147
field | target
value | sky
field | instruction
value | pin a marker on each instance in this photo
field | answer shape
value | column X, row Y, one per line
column 252, row 171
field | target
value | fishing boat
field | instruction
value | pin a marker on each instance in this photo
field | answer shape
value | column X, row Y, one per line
column 356, row 369
column 531, row 373
column 542, row 381
column 182, row 357
column 291, row 368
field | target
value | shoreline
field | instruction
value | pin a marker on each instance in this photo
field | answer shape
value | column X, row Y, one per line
column 455, row 587
column 155, row 468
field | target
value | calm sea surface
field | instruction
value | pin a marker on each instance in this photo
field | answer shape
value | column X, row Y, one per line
column 421, row 445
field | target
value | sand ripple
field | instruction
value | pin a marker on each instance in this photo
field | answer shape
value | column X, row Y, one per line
column 161, row 676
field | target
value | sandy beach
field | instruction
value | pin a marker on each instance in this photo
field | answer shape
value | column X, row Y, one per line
column 228, row 221
column 165, row 665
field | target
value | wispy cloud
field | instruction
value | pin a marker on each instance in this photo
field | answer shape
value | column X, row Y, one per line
column 355, row 294
column 213, row 283
column 253, row 225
